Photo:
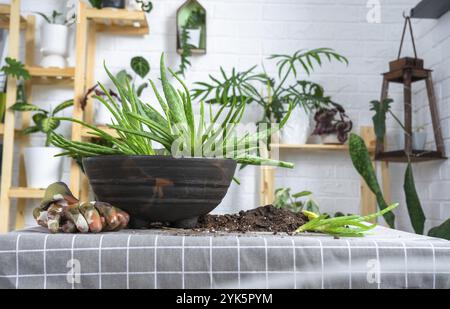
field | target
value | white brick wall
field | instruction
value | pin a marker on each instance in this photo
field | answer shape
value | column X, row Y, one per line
column 243, row 33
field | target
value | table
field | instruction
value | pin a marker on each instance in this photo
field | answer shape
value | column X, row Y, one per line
column 170, row 259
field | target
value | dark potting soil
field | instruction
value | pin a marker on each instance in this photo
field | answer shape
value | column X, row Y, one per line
column 261, row 219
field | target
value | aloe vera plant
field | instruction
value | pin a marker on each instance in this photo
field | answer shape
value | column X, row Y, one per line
column 177, row 131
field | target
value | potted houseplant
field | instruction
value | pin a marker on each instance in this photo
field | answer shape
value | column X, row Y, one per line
column 190, row 36
column 248, row 86
column 187, row 177
column 332, row 124
column 55, row 50
column 41, row 166
column 144, row 5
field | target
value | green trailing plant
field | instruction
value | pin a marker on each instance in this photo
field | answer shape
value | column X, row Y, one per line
column 43, row 121
column 55, row 18
column 344, row 226
column 363, row 164
column 177, row 131
column 285, row 200
column 196, row 19
column 272, row 94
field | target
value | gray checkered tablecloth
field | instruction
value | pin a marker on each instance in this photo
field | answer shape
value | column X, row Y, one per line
column 168, row 259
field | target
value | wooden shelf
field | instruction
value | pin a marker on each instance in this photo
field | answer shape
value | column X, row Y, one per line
column 119, row 21
column 311, row 146
column 2, row 128
column 5, row 12
column 399, row 156
column 52, row 76
column 85, row 132
column 26, row 193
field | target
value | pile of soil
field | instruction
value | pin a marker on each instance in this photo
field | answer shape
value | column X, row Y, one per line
column 262, row 219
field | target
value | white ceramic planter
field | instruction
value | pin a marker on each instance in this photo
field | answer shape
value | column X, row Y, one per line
column 194, row 37
column 54, row 45
column 42, row 167
column 418, row 140
column 330, row 139
column 297, row 128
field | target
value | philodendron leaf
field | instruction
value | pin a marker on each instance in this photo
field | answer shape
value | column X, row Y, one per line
column 16, row 69
column 140, row 66
column 49, row 124
column 25, row 107
column 30, row 130
column 415, row 210
column 379, row 119
column 38, row 118
column 363, row 164
column 441, row 231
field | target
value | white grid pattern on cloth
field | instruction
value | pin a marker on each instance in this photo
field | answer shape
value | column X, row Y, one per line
column 377, row 251
column 349, row 265
column 71, row 257
column 309, row 264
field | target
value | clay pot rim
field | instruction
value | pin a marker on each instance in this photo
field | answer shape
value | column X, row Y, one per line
column 155, row 157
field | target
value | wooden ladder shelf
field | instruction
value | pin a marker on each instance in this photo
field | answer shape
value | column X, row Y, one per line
column 90, row 22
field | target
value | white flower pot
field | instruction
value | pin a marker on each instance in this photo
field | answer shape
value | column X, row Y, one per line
column 418, row 140
column 330, row 139
column 54, row 45
column 102, row 115
column 194, row 37
column 297, row 128
column 42, row 167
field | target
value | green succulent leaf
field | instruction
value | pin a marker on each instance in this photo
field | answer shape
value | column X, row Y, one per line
column 363, row 164
column 415, row 210
column 441, row 231
column 62, row 106
column 25, row 107
column 49, row 124
column 31, row 130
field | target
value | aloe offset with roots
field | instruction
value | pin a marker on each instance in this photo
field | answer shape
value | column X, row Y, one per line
column 139, row 124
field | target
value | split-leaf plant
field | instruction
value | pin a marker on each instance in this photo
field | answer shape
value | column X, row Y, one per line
column 295, row 202
column 176, row 130
column 272, row 94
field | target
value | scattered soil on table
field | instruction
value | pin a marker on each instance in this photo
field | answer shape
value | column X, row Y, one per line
column 262, row 219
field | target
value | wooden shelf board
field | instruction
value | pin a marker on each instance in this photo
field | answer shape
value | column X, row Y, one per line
column 5, row 12
column 52, row 72
column 417, row 156
column 85, row 131
column 119, row 21
column 26, row 193
column 310, row 146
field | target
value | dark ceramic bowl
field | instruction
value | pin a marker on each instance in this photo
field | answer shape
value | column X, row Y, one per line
column 160, row 188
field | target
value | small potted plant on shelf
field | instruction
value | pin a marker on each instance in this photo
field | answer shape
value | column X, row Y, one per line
column 184, row 177
column 274, row 97
column 144, row 5
column 54, row 50
column 190, row 36
column 332, row 124
column 41, row 166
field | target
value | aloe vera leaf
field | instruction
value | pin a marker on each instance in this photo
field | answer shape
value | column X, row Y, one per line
column 172, row 98
column 416, row 214
column 363, row 164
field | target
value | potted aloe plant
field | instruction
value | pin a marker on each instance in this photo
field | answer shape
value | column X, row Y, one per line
column 190, row 171
column 55, row 50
